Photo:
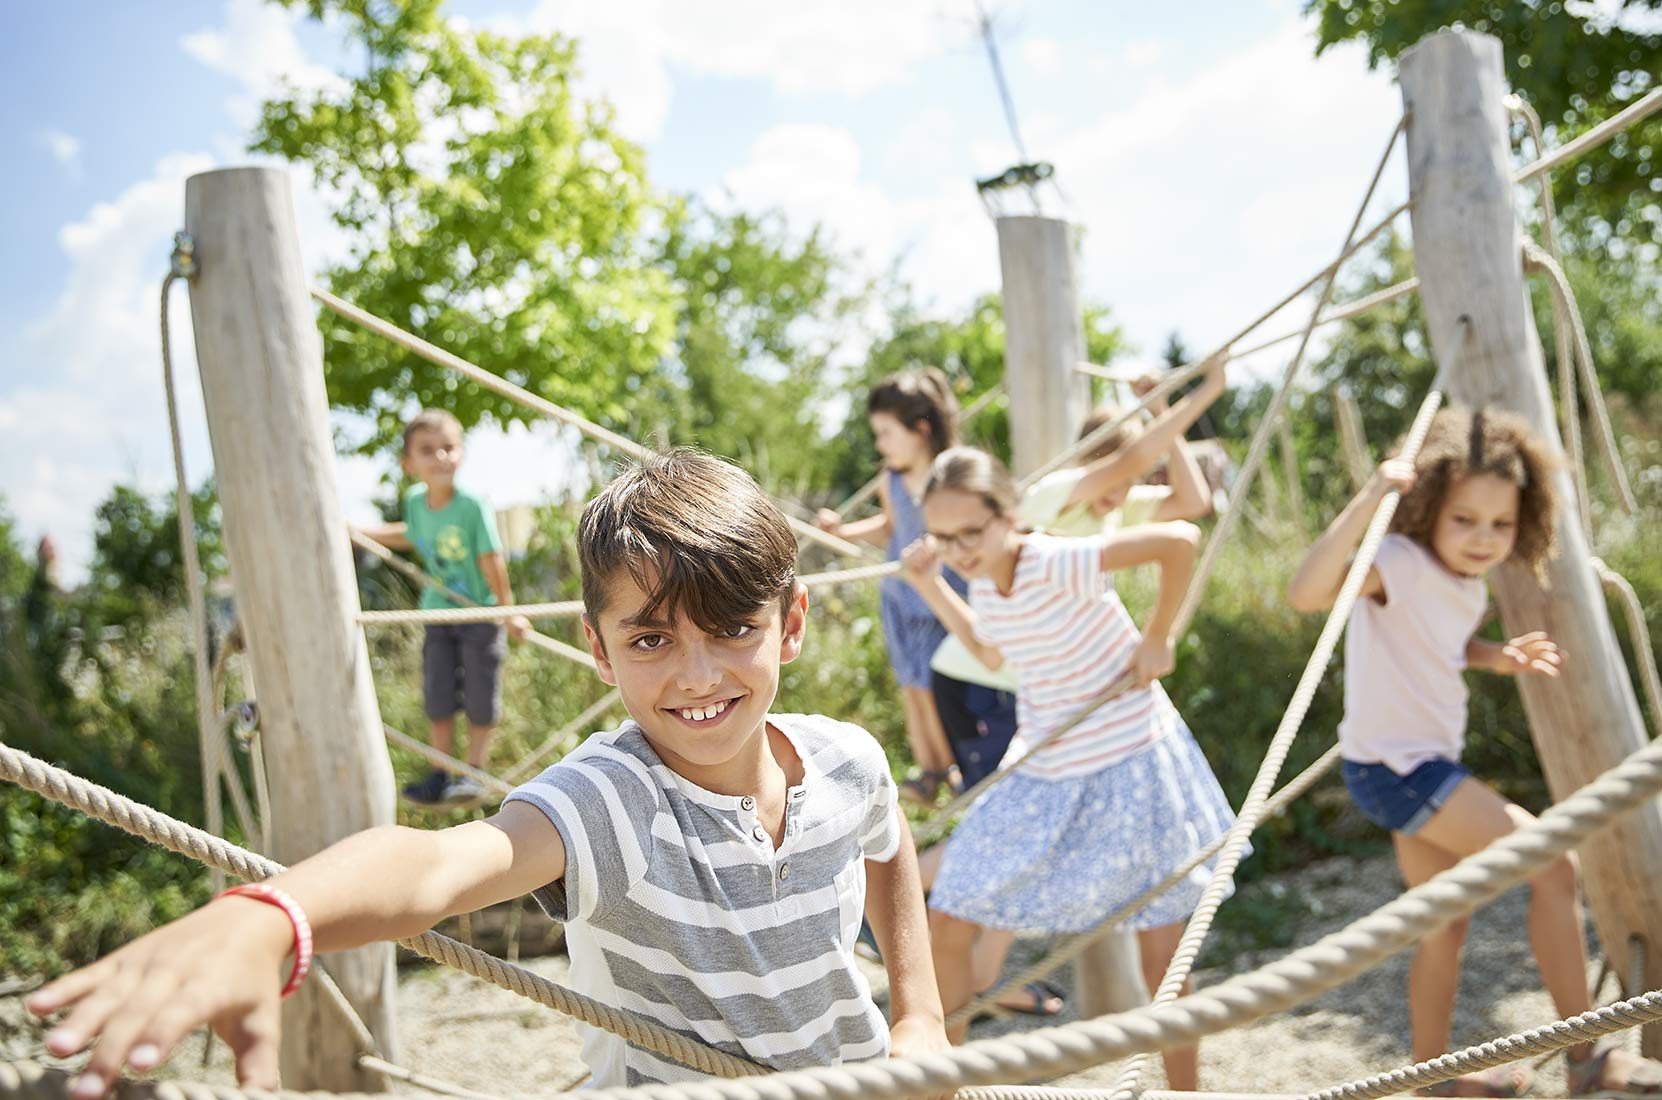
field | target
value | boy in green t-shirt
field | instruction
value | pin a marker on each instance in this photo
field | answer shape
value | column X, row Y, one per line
column 453, row 532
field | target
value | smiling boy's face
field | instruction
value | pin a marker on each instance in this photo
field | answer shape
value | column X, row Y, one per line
column 701, row 698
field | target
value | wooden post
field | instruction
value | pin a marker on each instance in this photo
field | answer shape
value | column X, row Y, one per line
column 1468, row 255
column 1044, row 337
column 261, row 360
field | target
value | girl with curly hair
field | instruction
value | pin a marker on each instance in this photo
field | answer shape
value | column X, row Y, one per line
column 1479, row 493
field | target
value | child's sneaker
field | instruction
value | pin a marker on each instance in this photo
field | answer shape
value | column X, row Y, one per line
column 463, row 789
column 429, row 791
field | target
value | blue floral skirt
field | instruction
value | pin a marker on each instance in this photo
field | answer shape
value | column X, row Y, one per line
column 1061, row 855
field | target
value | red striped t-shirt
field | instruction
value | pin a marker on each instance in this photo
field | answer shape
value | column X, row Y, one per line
column 1068, row 637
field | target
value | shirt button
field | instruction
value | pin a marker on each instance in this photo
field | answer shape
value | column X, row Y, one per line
column 759, row 833
column 747, row 803
column 784, row 871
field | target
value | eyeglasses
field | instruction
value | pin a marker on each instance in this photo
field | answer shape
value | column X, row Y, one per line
column 970, row 538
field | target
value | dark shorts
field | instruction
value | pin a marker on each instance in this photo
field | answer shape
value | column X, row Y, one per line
column 979, row 723
column 1403, row 803
column 461, row 669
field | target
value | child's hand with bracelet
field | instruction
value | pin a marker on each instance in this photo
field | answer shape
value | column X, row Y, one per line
column 221, row 965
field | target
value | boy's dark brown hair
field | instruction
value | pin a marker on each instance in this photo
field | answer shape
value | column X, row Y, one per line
column 429, row 420
column 697, row 534
column 921, row 400
column 1462, row 443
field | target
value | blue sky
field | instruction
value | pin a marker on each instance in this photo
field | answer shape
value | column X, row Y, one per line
column 1211, row 159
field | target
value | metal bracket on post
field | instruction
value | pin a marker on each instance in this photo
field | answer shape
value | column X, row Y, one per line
column 183, row 259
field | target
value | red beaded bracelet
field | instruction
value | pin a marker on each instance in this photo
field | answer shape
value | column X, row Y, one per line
column 261, row 891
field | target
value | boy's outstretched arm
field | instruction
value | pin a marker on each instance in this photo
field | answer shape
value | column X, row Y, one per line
column 1133, row 461
column 223, row 964
column 1322, row 572
column 894, row 906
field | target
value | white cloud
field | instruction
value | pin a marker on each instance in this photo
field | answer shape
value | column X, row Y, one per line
column 630, row 47
column 65, row 149
column 256, row 47
column 1143, row 52
column 1042, row 55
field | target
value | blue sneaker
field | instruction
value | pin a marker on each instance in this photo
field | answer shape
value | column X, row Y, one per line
column 429, row 791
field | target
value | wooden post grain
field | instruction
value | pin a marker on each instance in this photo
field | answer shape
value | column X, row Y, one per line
column 1468, row 253
column 1044, row 337
column 262, row 382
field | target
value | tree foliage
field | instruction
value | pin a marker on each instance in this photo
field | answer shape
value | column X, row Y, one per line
column 1577, row 64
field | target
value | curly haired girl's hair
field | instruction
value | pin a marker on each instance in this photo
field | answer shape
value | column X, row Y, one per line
column 1463, row 442
column 917, row 397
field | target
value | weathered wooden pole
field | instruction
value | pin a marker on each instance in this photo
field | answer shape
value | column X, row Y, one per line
column 1468, row 254
column 1044, row 336
column 262, row 381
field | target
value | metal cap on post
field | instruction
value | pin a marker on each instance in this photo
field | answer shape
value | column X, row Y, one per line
column 261, row 360
column 1468, row 252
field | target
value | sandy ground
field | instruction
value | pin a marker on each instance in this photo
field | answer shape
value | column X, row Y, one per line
column 492, row 1041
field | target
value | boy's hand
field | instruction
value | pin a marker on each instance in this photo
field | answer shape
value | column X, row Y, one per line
column 920, row 564
column 1533, row 652
column 915, row 1036
column 518, row 627
column 217, row 966
column 1394, row 473
column 828, row 521
column 1151, row 660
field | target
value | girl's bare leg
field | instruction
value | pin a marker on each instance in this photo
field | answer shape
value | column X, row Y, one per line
column 1158, row 945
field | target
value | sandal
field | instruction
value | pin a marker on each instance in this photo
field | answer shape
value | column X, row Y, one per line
column 925, row 787
column 1038, row 999
column 1511, row 1080
column 1586, row 1077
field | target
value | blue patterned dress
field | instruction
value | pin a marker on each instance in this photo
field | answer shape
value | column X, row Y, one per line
column 909, row 627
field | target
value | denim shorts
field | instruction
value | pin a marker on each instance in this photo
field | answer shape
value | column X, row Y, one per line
column 1403, row 803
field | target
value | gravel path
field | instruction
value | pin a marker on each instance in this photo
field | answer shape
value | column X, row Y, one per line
column 492, row 1041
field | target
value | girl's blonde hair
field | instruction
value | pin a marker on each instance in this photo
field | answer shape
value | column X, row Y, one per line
column 1463, row 442
column 915, row 396
column 978, row 473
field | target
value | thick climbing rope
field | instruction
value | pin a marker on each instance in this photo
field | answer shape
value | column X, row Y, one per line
column 446, row 761
column 532, row 637
column 1291, row 980
column 1639, row 635
column 1567, row 315
column 1347, row 312
column 1209, row 557
column 1071, row 946
column 559, row 737
column 1315, row 669
column 208, row 733
column 1568, row 413
column 970, row 412
column 142, row 821
column 560, row 609
column 497, row 384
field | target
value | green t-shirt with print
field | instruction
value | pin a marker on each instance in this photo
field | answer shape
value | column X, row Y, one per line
column 450, row 541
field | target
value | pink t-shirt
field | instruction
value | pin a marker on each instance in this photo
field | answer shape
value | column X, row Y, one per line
column 1068, row 637
column 1405, row 695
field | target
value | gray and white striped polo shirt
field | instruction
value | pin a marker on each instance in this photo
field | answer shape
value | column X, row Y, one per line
column 678, row 907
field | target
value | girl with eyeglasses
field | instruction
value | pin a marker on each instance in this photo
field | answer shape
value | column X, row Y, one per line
column 1108, row 809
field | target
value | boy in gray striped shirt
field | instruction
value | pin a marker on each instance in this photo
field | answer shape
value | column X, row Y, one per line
column 711, row 860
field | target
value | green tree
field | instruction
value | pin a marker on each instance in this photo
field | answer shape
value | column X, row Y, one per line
column 1577, row 64
column 488, row 209
column 137, row 563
